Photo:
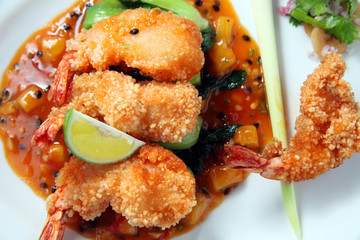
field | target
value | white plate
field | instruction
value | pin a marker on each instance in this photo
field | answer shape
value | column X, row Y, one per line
column 329, row 206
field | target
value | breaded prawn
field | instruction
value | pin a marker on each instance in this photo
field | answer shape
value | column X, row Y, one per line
column 327, row 131
column 150, row 111
column 158, row 43
column 152, row 188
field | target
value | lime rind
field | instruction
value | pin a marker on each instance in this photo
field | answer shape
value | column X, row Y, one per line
column 189, row 140
column 96, row 142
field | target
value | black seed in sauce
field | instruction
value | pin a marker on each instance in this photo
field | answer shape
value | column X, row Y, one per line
column 227, row 191
column 246, row 38
column 249, row 89
column 53, row 189
column 74, row 15
column 259, row 59
column 66, row 26
column 216, row 8
column 38, row 94
column 205, row 191
column 256, row 125
column 38, row 122
column 56, row 174
column 198, row 3
column 47, row 88
column 258, row 78
column 1, row 101
column 5, row 93
column 22, row 147
column 220, row 115
column 134, row 31
column 39, row 53
column 88, row 4
column 43, row 185
column 249, row 61
column 3, row 120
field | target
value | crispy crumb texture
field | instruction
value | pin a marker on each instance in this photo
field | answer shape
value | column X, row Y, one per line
column 328, row 129
column 152, row 188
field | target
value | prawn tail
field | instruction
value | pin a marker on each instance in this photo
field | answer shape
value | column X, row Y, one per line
column 54, row 227
column 240, row 157
column 62, row 80
column 48, row 130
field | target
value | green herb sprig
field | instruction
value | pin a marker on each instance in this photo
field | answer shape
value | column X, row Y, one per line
column 319, row 13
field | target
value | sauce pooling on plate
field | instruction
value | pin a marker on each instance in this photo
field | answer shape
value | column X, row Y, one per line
column 24, row 106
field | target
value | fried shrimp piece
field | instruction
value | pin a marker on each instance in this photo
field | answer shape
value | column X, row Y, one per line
column 161, row 45
column 151, row 188
column 327, row 131
column 150, row 111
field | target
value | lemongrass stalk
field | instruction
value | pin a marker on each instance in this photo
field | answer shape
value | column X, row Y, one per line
column 264, row 21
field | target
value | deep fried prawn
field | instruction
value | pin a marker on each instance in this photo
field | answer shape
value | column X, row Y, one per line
column 151, row 188
column 150, row 111
column 328, row 130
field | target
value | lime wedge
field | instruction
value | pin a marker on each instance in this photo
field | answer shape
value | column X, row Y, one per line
column 96, row 142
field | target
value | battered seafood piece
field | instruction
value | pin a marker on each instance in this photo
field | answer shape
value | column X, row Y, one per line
column 328, row 130
column 150, row 111
column 151, row 188
column 161, row 45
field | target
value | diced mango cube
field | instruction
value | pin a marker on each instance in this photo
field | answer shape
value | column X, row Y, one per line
column 31, row 98
column 222, row 177
column 57, row 154
column 53, row 47
column 247, row 136
column 224, row 26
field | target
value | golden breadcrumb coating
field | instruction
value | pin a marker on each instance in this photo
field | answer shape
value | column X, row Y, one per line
column 166, row 47
column 151, row 188
column 327, row 130
column 150, row 111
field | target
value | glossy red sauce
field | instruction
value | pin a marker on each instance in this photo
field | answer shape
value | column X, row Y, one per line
column 32, row 68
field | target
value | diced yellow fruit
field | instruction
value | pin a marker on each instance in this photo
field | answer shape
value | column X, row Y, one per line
column 222, row 59
column 53, row 47
column 57, row 154
column 222, row 177
column 203, row 204
column 30, row 99
column 247, row 136
column 224, row 26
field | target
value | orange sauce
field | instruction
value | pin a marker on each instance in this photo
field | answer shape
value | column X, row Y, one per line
column 36, row 167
